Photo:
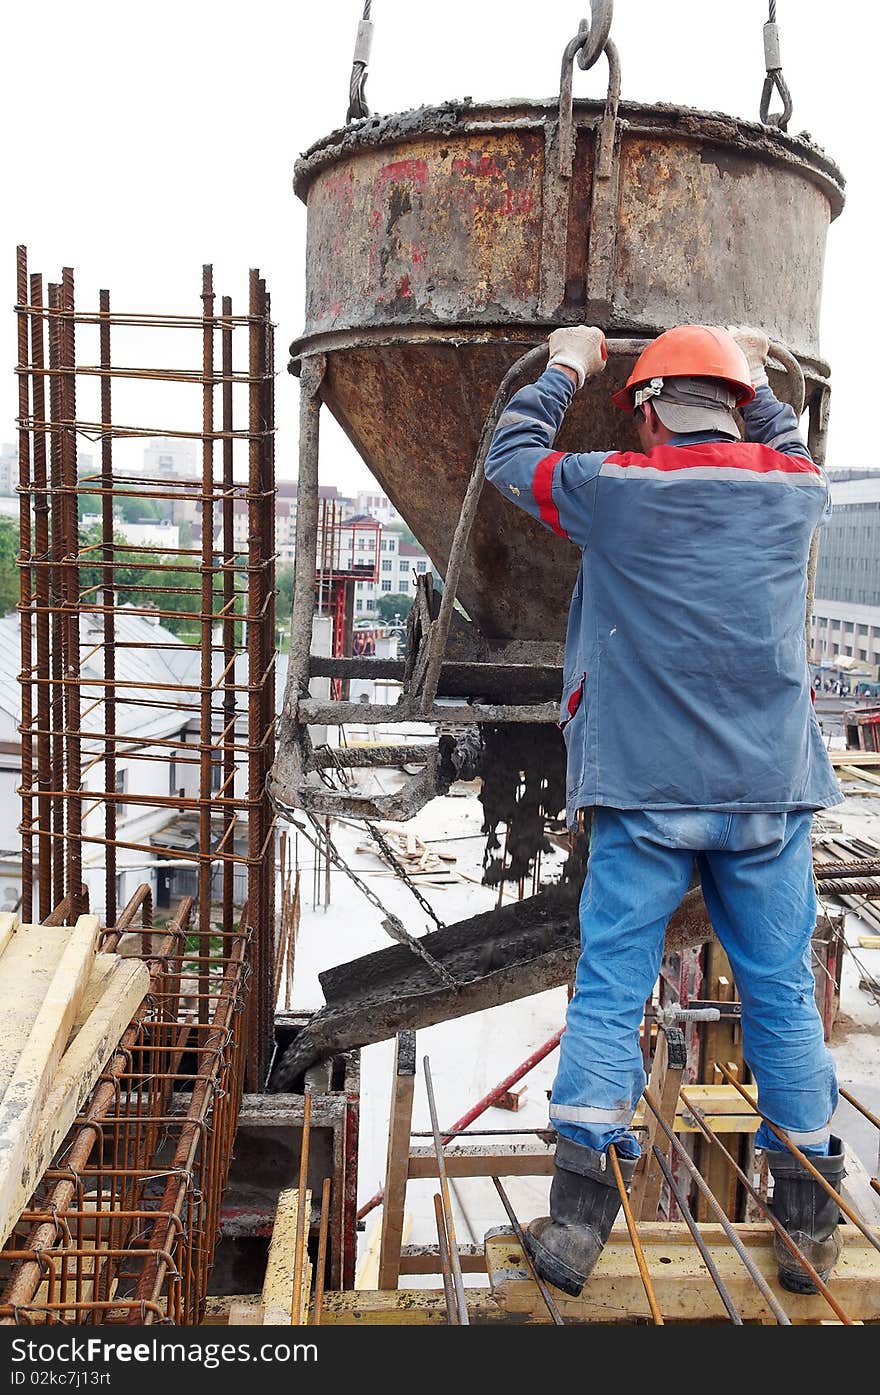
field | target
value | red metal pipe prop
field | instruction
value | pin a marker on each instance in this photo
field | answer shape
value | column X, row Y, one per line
column 481, row 1106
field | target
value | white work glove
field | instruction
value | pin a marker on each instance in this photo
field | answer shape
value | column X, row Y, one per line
column 581, row 348
column 756, row 346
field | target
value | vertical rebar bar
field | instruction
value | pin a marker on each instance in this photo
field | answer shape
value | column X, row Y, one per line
column 58, row 767
column 25, row 552
column 71, row 589
column 206, row 735
column 323, row 1233
column 40, row 677
column 227, row 553
column 109, row 621
column 267, row 524
column 260, row 1016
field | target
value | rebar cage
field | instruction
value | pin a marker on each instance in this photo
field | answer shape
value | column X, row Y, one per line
column 123, row 1225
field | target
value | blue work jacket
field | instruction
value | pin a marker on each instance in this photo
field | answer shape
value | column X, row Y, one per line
column 685, row 682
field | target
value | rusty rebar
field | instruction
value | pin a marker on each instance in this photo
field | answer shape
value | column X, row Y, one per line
column 109, row 619
column 804, row 1161
column 449, row 1219
column 73, row 694
column 857, row 1104
column 323, row 1233
column 705, row 1254
column 26, row 582
column 445, row 1264
column 40, row 622
column 57, row 601
column 205, row 716
column 797, row 1253
column 300, row 1242
column 552, row 1309
column 751, row 1268
column 636, row 1243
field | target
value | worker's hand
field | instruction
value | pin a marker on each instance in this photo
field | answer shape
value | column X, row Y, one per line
column 581, row 348
column 756, row 346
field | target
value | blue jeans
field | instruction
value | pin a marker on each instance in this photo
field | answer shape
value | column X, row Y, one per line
column 757, row 878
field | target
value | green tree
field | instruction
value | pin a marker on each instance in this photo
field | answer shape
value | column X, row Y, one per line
column 393, row 604
column 284, row 599
column 9, row 580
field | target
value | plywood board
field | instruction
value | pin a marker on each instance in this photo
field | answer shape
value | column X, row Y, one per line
column 31, row 1080
column 278, row 1283
column 683, row 1287
column 8, row 926
column 123, row 984
column 29, row 964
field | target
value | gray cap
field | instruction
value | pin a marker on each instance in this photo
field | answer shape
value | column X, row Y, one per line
column 695, row 404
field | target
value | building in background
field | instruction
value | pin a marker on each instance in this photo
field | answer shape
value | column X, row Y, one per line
column 9, row 467
column 846, row 611
column 170, row 457
column 399, row 564
column 377, row 505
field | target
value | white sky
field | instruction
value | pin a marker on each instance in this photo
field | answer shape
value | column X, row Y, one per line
column 141, row 142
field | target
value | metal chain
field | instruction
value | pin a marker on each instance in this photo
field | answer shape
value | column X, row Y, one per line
column 391, row 924
column 774, row 78
column 357, row 102
column 384, row 846
column 398, row 867
column 595, row 31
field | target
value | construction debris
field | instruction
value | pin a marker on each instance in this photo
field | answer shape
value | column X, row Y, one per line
column 416, row 859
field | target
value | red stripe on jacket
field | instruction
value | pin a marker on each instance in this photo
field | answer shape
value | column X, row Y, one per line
column 748, row 456
column 542, row 489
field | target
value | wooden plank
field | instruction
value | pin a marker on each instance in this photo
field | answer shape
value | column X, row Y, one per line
column 854, row 758
column 243, row 1312
column 857, row 1190
column 866, row 775
column 29, row 964
column 722, row 1042
column 372, row 1308
column 397, row 1160
column 685, row 1292
column 517, row 1160
column 425, row 1259
column 278, row 1282
column 31, row 1080
column 8, row 926
column 664, row 1086
column 123, row 988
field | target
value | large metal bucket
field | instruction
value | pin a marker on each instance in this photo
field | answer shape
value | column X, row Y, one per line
column 443, row 242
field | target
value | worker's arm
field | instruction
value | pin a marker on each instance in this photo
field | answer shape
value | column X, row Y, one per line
column 768, row 421
column 555, row 487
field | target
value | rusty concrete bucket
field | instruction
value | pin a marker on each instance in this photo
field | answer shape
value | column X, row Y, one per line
column 445, row 242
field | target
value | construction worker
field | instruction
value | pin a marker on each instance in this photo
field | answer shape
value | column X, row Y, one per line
column 692, row 576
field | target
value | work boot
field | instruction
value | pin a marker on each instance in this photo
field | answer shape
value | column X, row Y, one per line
column 808, row 1213
column 584, row 1202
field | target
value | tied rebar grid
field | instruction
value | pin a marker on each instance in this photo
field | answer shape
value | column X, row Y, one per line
column 88, row 761
column 122, row 1226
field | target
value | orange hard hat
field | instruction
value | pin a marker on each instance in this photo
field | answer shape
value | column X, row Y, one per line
column 690, row 351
